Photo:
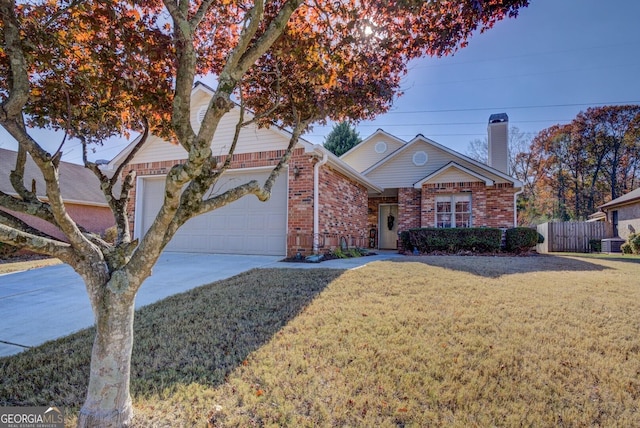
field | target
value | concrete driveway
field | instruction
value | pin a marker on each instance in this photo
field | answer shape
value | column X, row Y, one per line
column 50, row 302
column 43, row 304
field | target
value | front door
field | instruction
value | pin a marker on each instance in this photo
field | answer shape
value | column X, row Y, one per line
column 388, row 227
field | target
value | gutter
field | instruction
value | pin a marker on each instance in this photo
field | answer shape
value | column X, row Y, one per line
column 316, row 198
column 515, row 207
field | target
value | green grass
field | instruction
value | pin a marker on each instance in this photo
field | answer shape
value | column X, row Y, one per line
column 431, row 341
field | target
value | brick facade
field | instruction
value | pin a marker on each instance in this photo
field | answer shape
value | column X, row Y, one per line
column 409, row 206
column 490, row 206
column 93, row 218
column 300, row 206
column 342, row 209
column 342, row 205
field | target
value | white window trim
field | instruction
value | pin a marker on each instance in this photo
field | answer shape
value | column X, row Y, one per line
column 452, row 200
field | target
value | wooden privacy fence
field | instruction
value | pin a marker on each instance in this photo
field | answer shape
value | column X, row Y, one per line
column 572, row 236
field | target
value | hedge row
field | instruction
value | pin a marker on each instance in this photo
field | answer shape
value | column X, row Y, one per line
column 475, row 239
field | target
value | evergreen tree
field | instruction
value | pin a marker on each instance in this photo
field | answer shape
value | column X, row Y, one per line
column 342, row 138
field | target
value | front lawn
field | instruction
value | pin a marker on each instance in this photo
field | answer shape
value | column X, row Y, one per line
column 430, row 341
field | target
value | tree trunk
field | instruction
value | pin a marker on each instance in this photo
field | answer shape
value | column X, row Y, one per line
column 108, row 402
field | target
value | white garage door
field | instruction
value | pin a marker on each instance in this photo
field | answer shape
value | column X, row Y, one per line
column 246, row 226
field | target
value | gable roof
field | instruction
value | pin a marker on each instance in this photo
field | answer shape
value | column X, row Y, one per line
column 484, row 169
column 277, row 132
column 629, row 198
column 199, row 89
column 452, row 165
column 372, row 149
column 78, row 185
column 378, row 132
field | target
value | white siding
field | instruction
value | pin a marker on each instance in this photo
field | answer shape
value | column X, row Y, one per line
column 401, row 172
column 252, row 139
column 157, row 149
column 454, row 175
column 364, row 155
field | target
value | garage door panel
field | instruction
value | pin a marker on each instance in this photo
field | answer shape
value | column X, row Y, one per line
column 246, row 226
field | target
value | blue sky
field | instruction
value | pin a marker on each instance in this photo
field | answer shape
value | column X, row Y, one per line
column 557, row 58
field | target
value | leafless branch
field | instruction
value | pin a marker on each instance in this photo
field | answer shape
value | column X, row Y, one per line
column 17, row 177
column 299, row 127
column 18, row 76
column 16, row 223
column 35, row 243
column 266, row 39
column 253, row 187
column 34, row 207
column 136, row 148
column 66, row 129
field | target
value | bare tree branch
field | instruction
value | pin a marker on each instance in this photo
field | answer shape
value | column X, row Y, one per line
column 253, row 187
column 34, row 207
column 66, row 128
column 48, row 166
column 16, row 223
column 299, row 127
column 35, row 243
column 271, row 34
column 136, row 148
column 19, row 77
column 185, row 73
column 17, row 177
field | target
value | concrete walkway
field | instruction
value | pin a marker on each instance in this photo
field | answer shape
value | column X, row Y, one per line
column 50, row 302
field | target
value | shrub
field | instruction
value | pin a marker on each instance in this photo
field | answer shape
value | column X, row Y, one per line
column 595, row 245
column 474, row 239
column 520, row 239
column 339, row 253
column 632, row 246
column 634, row 243
column 354, row 252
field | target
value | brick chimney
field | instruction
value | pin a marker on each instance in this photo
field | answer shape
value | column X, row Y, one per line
column 498, row 130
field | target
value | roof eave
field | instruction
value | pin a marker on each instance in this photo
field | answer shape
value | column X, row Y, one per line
column 340, row 166
column 487, row 181
column 609, row 205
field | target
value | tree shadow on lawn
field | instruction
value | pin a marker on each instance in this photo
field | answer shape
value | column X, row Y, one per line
column 495, row 267
column 198, row 336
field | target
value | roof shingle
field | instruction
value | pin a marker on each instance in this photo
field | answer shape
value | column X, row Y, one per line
column 77, row 183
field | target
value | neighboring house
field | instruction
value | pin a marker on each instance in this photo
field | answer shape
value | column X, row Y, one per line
column 429, row 185
column 624, row 214
column 320, row 201
column 83, row 199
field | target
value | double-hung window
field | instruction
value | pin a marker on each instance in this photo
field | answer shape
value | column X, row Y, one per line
column 453, row 210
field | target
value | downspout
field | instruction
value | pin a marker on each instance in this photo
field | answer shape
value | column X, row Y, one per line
column 316, row 198
column 515, row 207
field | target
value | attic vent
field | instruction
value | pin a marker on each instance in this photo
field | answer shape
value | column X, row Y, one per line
column 381, row 147
column 420, row 158
column 201, row 113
